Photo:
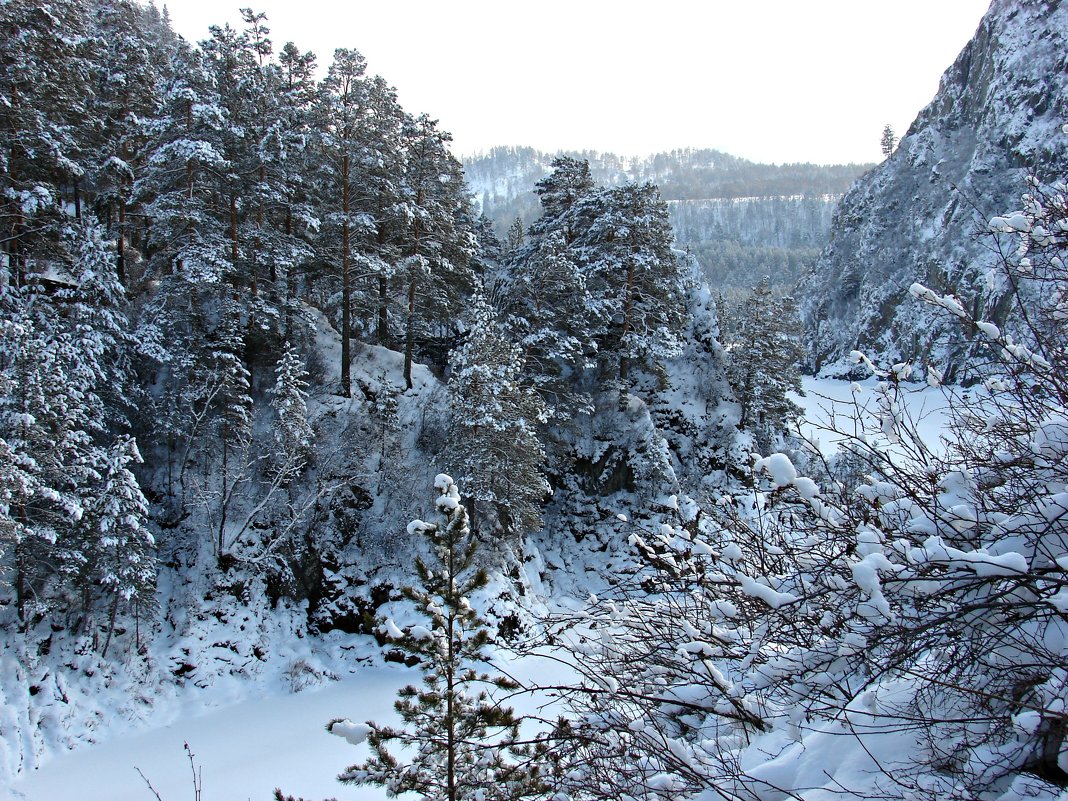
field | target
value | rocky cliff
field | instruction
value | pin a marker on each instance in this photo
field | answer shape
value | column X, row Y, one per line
column 922, row 214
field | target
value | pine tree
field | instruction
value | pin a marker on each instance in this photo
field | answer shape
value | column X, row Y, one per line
column 178, row 189
column 292, row 431
column 888, row 142
column 128, row 74
column 614, row 248
column 96, row 315
column 342, row 101
column 440, row 235
column 249, row 96
column 123, row 553
column 494, row 442
column 289, row 158
column 460, row 741
column 633, row 274
column 46, row 86
column 564, row 187
column 764, row 360
column 50, row 420
column 549, row 313
column 516, row 234
column 360, row 127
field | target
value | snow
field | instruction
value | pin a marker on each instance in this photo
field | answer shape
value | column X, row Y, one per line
column 280, row 738
column 353, row 733
column 778, row 468
column 244, row 750
column 983, row 563
column 772, row 598
column 832, row 403
column 390, row 629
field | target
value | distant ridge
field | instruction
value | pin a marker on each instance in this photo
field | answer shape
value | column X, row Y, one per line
column 742, row 220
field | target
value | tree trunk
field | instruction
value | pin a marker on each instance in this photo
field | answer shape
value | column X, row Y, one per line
column 222, row 504
column 233, row 244
column 291, row 287
column 346, row 288
column 382, row 332
column 450, row 699
column 628, row 310
column 409, row 334
column 111, row 626
column 383, row 312
column 120, row 245
column 22, row 590
column 16, row 262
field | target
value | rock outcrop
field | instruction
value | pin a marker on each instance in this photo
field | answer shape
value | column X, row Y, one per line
column 922, row 214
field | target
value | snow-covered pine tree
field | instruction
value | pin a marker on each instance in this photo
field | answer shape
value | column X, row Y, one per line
column 292, row 431
column 460, row 741
column 46, row 83
column 289, row 158
column 265, row 141
column 439, row 238
column 548, row 313
column 763, row 364
column 560, row 191
column 102, row 556
column 344, row 98
column 633, row 274
column 610, row 268
column 516, row 235
column 128, row 77
column 494, row 444
column 50, row 419
column 36, row 498
column 123, row 560
column 231, row 59
column 888, row 141
column 96, row 315
column 381, row 205
column 178, row 187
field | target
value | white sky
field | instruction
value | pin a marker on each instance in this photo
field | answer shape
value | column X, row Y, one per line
column 767, row 80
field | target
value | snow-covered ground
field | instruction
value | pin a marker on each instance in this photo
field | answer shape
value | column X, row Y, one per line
column 247, row 749
column 243, row 751
column 833, row 404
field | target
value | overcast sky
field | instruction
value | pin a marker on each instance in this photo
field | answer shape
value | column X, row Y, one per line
column 769, row 80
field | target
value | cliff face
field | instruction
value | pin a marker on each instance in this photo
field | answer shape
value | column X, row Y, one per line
column 920, row 215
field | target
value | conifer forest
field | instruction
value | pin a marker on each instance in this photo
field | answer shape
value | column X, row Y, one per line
column 561, row 476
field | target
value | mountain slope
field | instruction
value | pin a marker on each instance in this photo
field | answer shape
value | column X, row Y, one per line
column 995, row 118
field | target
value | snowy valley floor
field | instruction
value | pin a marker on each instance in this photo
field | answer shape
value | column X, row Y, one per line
column 244, row 751
column 831, row 403
column 247, row 749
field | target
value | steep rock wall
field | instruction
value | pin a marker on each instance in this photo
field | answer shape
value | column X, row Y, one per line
column 921, row 215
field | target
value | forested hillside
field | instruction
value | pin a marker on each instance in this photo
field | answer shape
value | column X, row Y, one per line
column 249, row 313
column 276, row 402
column 743, row 221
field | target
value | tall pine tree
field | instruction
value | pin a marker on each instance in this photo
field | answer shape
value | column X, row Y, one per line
column 494, row 442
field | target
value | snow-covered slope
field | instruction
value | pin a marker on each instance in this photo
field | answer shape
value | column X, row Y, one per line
column 916, row 217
